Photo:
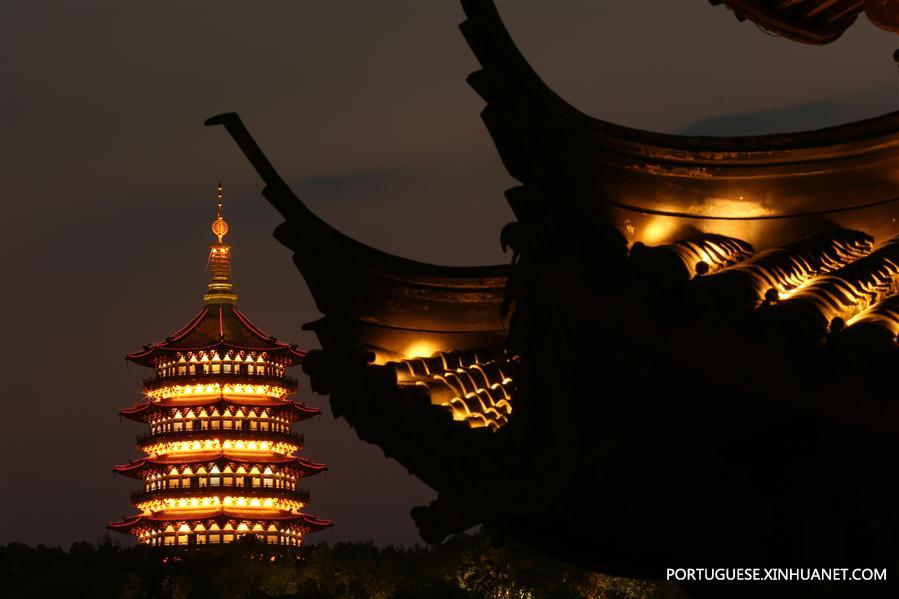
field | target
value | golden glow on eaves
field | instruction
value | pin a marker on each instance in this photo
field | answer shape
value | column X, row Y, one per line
column 207, row 445
column 213, row 502
column 216, row 389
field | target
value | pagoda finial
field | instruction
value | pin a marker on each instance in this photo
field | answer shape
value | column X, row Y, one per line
column 220, row 225
column 220, row 262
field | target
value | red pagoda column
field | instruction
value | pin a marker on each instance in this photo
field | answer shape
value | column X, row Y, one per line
column 221, row 459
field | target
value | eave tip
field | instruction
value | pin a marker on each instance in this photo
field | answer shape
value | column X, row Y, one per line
column 220, row 119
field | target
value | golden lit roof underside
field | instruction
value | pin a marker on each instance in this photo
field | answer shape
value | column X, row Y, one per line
column 782, row 271
column 475, row 386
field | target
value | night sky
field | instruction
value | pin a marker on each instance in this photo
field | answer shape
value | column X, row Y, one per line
column 108, row 180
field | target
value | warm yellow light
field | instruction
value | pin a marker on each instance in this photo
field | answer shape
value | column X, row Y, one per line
column 654, row 230
column 728, row 207
column 208, row 445
column 215, row 389
column 421, row 349
column 658, row 229
column 183, row 504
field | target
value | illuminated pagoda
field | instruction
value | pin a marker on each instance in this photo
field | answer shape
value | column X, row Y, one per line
column 221, row 458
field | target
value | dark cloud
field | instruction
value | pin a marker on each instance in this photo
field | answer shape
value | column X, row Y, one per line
column 802, row 117
column 108, row 176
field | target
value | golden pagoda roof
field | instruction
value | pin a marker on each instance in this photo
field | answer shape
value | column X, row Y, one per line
column 220, row 327
column 139, row 411
column 135, row 468
column 313, row 523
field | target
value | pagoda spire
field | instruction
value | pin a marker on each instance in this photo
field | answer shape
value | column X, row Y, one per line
column 220, row 287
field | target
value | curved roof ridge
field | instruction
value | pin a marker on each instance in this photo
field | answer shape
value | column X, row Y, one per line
column 226, row 328
column 312, row 521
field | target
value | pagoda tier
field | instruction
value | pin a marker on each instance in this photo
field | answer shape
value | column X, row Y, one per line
column 161, row 410
column 225, row 463
column 220, row 453
column 219, row 332
column 219, row 526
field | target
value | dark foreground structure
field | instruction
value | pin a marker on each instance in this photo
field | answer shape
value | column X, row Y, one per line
column 813, row 21
column 691, row 359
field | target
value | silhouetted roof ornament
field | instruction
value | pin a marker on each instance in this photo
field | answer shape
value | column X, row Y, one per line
column 813, row 21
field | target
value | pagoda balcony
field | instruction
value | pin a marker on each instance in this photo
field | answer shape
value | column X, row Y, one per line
column 221, row 491
column 222, row 433
column 156, row 382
